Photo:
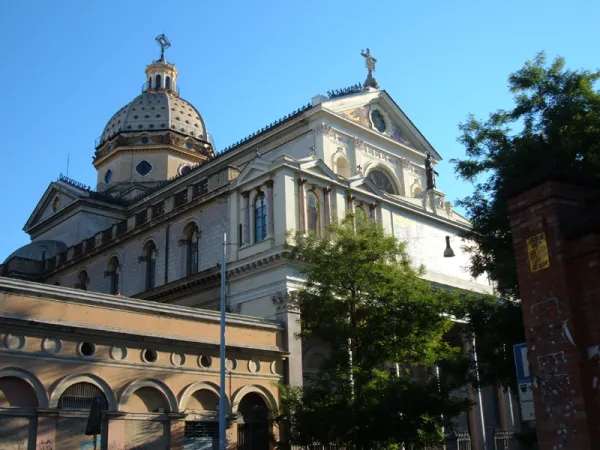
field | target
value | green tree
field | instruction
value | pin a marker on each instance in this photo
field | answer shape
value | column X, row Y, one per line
column 554, row 125
column 364, row 299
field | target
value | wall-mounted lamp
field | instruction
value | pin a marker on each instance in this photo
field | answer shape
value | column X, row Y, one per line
column 448, row 253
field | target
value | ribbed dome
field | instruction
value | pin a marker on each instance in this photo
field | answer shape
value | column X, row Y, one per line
column 38, row 250
column 155, row 111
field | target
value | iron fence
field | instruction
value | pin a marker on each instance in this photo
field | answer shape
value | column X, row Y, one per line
column 506, row 440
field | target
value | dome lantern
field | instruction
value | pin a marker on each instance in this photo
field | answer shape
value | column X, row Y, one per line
column 161, row 75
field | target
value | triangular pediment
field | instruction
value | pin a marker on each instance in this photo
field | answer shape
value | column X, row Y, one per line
column 367, row 185
column 318, row 167
column 57, row 196
column 379, row 113
column 255, row 168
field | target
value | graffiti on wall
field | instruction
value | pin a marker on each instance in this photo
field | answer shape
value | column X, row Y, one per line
column 549, row 334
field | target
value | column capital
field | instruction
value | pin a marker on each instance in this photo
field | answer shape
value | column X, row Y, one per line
column 270, row 184
column 246, row 194
column 327, row 189
column 301, row 181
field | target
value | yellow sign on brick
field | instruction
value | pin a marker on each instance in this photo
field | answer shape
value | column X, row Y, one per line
column 538, row 252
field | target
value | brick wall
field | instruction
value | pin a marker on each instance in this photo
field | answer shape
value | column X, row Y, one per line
column 561, row 310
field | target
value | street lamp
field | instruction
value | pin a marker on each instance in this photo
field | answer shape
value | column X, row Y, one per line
column 448, row 253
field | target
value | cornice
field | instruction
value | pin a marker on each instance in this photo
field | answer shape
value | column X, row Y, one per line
column 77, row 296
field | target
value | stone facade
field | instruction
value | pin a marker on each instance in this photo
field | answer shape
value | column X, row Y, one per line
column 158, row 235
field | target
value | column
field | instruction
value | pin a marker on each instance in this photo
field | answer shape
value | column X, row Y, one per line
column 301, row 208
column 46, row 430
column 507, row 417
column 177, row 431
column 475, row 414
column 326, row 206
column 350, row 203
column 246, row 239
column 116, row 430
column 270, row 210
column 289, row 314
column 372, row 211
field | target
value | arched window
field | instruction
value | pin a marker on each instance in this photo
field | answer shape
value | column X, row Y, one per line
column 158, row 82
column 253, row 432
column 341, row 167
column 150, row 83
column 149, row 257
column 168, row 82
column 82, row 281
column 382, row 181
column 81, row 396
column 191, row 237
column 113, row 275
column 312, row 214
column 260, row 218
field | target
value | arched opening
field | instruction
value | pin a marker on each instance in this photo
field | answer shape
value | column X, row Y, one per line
column 191, row 240
column 16, row 392
column 341, row 167
column 148, row 433
column 158, row 82
column 113, row 275
column 149, row 258
column 83, row 281
column 253, row 432
column 147, row 400
column 150, row 83
column 260, row 218
column 383, row 181
column 168, row 82
column 70, row 431
column 16, row 428
column 203, row 433
column 313, row 214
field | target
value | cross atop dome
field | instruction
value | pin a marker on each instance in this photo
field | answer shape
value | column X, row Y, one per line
column 164, row 44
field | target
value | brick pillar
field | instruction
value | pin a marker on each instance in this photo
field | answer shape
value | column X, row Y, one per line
column 246, row 225
column 301, row 208
column 270, row 210
column 561, row 310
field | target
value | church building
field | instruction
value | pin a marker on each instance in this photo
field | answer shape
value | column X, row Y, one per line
column 116, row 294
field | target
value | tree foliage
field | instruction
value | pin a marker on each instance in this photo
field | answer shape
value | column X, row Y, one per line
column 554, row 124
column 367, row 303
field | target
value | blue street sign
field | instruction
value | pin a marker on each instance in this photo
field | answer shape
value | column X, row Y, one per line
column 522, row 363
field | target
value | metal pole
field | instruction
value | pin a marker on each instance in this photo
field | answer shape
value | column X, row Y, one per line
column 222, row 402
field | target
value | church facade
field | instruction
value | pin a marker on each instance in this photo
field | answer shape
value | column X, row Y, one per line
column 152, row 230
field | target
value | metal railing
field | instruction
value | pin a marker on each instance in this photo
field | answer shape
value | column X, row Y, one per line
column 506, row 440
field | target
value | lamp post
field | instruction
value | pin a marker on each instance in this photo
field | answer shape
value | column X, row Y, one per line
column 222, row 403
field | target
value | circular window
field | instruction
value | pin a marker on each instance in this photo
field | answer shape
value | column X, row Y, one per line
column 230, row 364
column 150, row 356
column 205, row 362
column 184, row 170
column 56, row 204
column 108, row 176
column 378, row 120
column 189, row 145
column 144, row 140
column 143, row 168
column 87, row 349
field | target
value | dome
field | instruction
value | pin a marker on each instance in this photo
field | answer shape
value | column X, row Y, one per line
column 38, row 250
column 156, row 110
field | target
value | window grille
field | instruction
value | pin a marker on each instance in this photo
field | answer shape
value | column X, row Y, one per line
column 81, row 396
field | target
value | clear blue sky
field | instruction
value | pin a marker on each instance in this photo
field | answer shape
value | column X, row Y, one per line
column 67, row 66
